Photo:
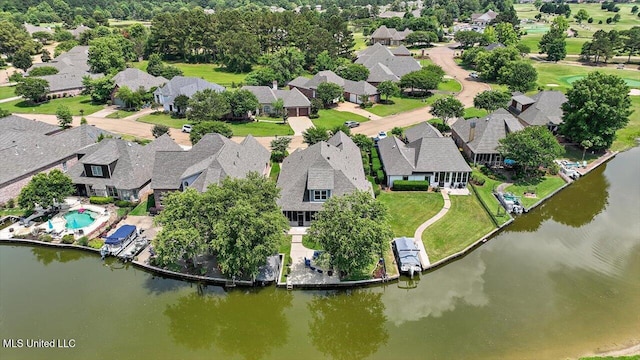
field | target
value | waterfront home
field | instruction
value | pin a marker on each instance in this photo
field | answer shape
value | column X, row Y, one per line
column 294, row 102
column 478, row 138
column 209, row 161
column 389, row 36
column 353, row 91
column 117, row 168
column 387, row 64
column 134, row 79
column 541, row 109
column 427, row 157
column 29, row 147
column 181, row 85
column 309, row 177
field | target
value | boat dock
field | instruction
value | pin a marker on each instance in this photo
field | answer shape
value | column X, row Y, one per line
column 130, row 251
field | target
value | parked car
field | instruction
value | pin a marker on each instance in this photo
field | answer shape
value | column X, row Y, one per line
column 351, row 124
column 474, row 75
column 381, row 135
column 186, row 128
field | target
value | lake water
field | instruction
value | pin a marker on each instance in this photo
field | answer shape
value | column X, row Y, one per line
column 561, row 281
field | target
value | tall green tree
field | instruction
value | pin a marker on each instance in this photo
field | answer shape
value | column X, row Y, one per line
column 447, row 108
column 597, row 106
column 489, row 63
column 208, row 105
column 109, row 54
column 388, row 88
column 424, row 79
column 327, row 92
column 63, row 114
column 491, row 100
column 468, row 38
column 532, row 147
column 553, row 42
column 506, row 34
column 353, row 229
column 242, row 102
column 581, row 15
column 207, row 127
column 22, row 60
column 132, row 99
column 100, row 88
column 518, row 76
column 314, row 135
column 287, row 63
column 354, row 72
column 34, row 89
column 239, row 51
column 44, row 189
column 632, row 41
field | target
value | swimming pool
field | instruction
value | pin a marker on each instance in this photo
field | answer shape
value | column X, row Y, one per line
column 77, row 220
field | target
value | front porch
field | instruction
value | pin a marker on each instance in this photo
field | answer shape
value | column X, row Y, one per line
column 300, row 218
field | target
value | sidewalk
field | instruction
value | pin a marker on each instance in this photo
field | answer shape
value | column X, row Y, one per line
column 424, row 257
column 10, row 99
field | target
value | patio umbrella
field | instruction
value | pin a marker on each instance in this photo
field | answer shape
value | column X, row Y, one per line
column 50, row 224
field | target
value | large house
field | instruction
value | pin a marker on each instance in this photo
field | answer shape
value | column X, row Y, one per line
column 541, row 109
column 427, row 156
column 209, row 161
column 117, row 168
column 389, row 36
column 386, row 64
column 29, row 147
column 181, row 85
column 134, row 79
column 353, row 90
column 478, row 138
column 311, row 176
column 294, row 101
column 72, row 67
column 483, row 19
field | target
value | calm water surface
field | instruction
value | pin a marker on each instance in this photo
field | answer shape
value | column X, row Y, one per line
column 562, row 281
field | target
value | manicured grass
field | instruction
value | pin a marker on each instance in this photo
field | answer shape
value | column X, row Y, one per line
column 143, row 208
column 239, row 129
column 549, row 73
column 574, row 44
column 402, row 104
column 275, row 171
column 14, row 211
column 309, row 243
column 360, row 41
column 210, row 72
column 465, row 223
column 75, row 104
column 120, row 114
column 574, row 153
column 626, row 137
column 474, row 112
column 7, row 92
column 485, row 193
column 285, row 248
column 543, row 188
column 409, row 209
column 96, row 243
column 450, row 85
column 389, row 259
column 330, row 118
column 122, row 211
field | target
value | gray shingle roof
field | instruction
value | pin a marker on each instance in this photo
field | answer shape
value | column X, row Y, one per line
column 401, row 51
column 354, row 87
column 339, row 156
column 70, row 80
column 27, row 146
column 488, row 131
column 264, row 94
column 181, row 85
column 427, row 154
column 135, row 79
column 291, row 98
column 547, row 109
column 421, row 130
column 212, row 159
column 34, row 28
column 523, row 99
column 134, row 162
column 379, row 73
column 72, row 67
column 390, row 33
column 493, row 46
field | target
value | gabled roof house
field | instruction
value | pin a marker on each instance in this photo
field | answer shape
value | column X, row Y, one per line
column 209, row 161
column 389, row 36
column 541, row 109
column 118, row 168
column 72, row 67
column 309, row 177
column 134, row 79
column 181, row 85
column 353, row 90
column 427, row 157
column 385, row 65
column 478, row 138
column 295, row 103
column 483, row 19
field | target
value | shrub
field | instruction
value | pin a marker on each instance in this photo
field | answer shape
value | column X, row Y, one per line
column 68, row 239
column 313, row 116
column 278, row 156
column 83, row 241
column 100, row 200
column 410, row 185
column 11, row 203
column 96, row 243
column 45, row 238
column 554, row 169
column 124, row 204
column 375, row 161
column 380, row 176
column 477, row 180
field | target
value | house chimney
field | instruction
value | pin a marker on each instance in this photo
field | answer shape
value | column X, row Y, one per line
column 275, row 85
column 472, row 131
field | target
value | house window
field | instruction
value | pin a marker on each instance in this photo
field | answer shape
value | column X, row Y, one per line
column 320, row 195
column 111, row 191
column 96, row 170
column 405, row 178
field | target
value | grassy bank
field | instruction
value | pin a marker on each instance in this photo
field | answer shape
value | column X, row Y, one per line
column 465, row 223
column 626, row 137
column 546, row 186
column 407, row 210
column 485, row 193
column 75, row 104
column 7, row 92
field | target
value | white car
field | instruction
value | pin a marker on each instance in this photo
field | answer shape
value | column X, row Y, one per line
column 474, row 75
column 381, row 135
column 186, row 128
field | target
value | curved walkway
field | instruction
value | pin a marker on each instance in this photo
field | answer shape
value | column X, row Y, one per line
column 424, row 257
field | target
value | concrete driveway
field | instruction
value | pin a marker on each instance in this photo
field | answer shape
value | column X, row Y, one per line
column 299, row 124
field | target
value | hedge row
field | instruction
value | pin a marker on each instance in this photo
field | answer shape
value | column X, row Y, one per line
column 375, row 161
column 410, row 185
column 101, row 200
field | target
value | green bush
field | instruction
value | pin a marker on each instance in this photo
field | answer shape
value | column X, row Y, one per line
column 278, row 156
column 11, row 203
column 45, row 238
column 477, row 180
column 380, row 176
column 100, row 200
column 375, row 161
column 553, row 170
column 83, row 241
column 313, row 116
column 68, row 239
column 124, row 204
column 410, row 185
column 366, row 164
column 96, row 243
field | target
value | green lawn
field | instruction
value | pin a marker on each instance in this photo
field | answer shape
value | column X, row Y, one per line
column 485, row 193
column 359, row 41
column 275, row 171
column 239, row 129
column 143, row 208
column 543, row 188
column 550, row 73
column 450, row 85
column 409, row 209
column 473, row 112
column 465, row 223
column 210, row 72
column 120, row 114
column 285, row 248
column 330, row 118
column 626, row 137
column 574, row 153
column 14, row 211
column 574, row 45
column 7, row 92
column 402, row 104
column 75, row 104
